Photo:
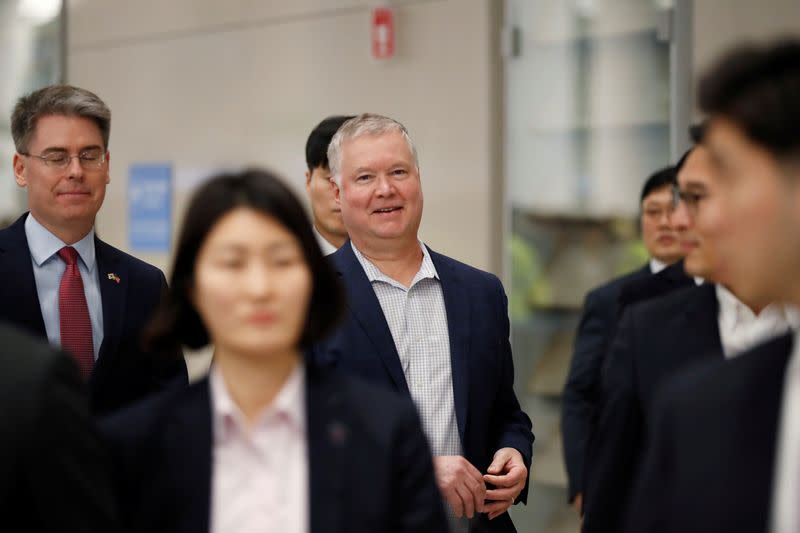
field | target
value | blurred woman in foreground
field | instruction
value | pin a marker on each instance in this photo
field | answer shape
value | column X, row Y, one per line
column 267, row 442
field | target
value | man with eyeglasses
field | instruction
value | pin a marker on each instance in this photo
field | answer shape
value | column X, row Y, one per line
column 661, row 336
column 57, row 279
column 725, row 438
column 600, row 312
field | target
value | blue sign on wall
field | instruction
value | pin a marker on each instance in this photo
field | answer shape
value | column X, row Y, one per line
column 150, row 207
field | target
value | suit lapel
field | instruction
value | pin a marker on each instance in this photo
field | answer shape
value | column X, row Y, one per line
column 457, row 306
column 189, row 437
column 113, row 278
column 328, row 435
column 367, row 312
column 19, row 291
column 703, row 323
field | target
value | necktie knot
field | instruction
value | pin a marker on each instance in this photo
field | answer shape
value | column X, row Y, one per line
column 69, row 255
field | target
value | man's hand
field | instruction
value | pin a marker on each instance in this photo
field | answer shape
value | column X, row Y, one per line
column 461, row 484
column 508, row 474
column 578, row 503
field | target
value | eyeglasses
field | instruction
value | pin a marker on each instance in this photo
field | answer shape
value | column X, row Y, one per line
column 690, row 199
column 88, row 159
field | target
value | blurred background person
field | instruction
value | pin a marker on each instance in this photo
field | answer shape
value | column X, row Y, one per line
column 598, row 322
column 426, row 326
column 55, row 474
column 658, row 337
column 325, row 212
column 268, row 442
column 58, row 279
column 724, row 446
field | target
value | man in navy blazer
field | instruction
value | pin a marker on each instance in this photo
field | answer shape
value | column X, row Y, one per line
column 426, row 326
column 662, row 336
column 59, row 281
column 598, row 322
column 725, row 442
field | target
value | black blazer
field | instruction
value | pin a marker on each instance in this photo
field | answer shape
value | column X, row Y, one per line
column 655, row 338
column 581, row 398
column 671, row 278
column 369, row 465
column 488, row 414
column 124, row 371
column 710, row 466
column 54, row 473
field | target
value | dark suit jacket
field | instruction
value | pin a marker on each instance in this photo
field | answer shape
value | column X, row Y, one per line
column 581, row 398
column 54, row 473
column 671, row 278
column 655, row 338
column 124, row 371
column 487, row 411
column 369, row 464
column 710, row 466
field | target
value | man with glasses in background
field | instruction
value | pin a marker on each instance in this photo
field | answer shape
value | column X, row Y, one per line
column 581, row 399
column 57, row 279
column 660, row 336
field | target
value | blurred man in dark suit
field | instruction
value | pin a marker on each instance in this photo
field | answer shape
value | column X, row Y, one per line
column 725, row 440
column 54, row 474
column 662, row 335
column 326, row 216
column 57, row 279
column 599, row 320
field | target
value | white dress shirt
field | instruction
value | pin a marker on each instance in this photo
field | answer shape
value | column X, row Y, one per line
column 326, row 247
column 260, row 475
column 786, row 486
column 740, row 329
column 417, row 319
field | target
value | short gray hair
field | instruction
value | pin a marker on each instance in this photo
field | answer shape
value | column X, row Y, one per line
column 359, row 126
column 57, row 100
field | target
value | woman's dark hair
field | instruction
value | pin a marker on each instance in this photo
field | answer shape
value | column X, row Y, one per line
column 177, row 321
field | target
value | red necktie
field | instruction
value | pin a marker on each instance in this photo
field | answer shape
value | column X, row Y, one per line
column 76, row 327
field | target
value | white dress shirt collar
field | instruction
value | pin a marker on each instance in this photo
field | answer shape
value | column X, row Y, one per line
column 740, row 328
column 426, row 270
column 657, row 266
column 43, row 245
column 326, row 247
column 288, row 405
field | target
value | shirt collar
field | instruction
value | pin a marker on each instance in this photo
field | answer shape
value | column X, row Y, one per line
column 734, row 313
column 288, row 404
column 657, row 266
column 427, row 270
column 326, row 247
column 44, row 245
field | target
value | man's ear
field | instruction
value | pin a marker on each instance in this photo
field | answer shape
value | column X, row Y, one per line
column 308, row 181
column 336, row 192
column 19, row 170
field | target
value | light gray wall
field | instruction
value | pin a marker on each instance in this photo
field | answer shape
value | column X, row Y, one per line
column 205, row 84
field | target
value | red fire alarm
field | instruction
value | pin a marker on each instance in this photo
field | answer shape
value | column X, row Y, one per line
column 382, row 33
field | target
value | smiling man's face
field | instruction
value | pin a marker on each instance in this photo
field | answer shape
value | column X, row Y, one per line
column 381, row 193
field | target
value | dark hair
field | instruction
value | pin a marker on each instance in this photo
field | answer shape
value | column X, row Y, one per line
column 177, row 321
column 758, row 88
column 57, row 100
column 661, row 178
column 696, row 134
column 319, row 139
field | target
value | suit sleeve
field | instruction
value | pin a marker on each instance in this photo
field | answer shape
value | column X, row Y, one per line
column 514, row 425
column 654, row 483
column 170, row 367
column 582, row 390
column 69, row 470
column 617, row 439
column 416, row 497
